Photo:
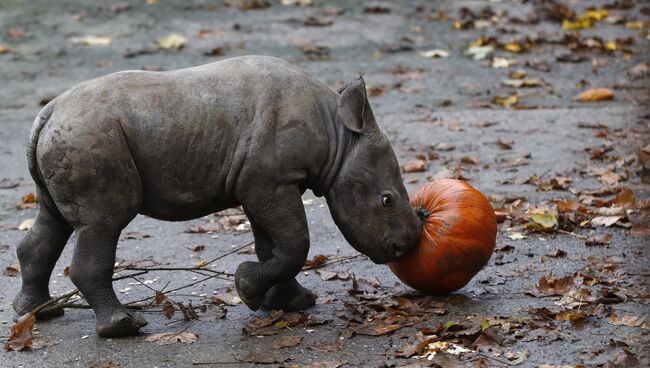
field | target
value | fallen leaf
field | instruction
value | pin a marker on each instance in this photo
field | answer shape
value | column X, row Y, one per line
column 215, row 51
column 625, row 198
column 516, row 236
column 516, row 358
column 499, row 62
column 603, row 239
column 315, row 262
column 479, row 52
column 196, row 248
column 12, row 270
column 506, row 101
column 26, row 225
column 552, row 285
column 40, row 342
column 594, row 95
column 433, row 54
column 296, row 2
column 377, row 9
column 629, row 321
column 173, row 41
column 385, row 330
column 227, row 299
column 472, row 160
column 168, row 338
column 505, row 143
column 286, row 341
column 605, row 221
column 168, row 310
column 247, row 4
column 575, row 316
column 415, row 166
column 21, row 333
column 92, row 40
column 200, row 263
column 315, row 52
column 28, row 198
column 543, row 217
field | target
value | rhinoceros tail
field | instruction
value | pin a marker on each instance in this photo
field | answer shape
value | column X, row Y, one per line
column 44, row 195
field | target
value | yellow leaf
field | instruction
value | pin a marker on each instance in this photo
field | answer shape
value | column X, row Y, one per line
column 595, row 15
column 4, row 50
column 506, row 102
column 595, row 94
column 580, row 24
column 200, row 263
column 92, row 40
column 610, row 45
column 513, row 47
column 173, row 41
column 151, row 2
column 634, row 25
column 543, row 217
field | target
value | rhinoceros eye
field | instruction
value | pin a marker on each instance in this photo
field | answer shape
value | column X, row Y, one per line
column 386, row 200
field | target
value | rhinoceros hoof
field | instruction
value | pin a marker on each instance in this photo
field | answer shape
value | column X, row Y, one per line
column 120, row 323
column 24, row 304
column 289, row 296
column 247, row 281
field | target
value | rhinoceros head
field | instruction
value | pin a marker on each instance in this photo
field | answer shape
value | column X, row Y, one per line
column 368, row 200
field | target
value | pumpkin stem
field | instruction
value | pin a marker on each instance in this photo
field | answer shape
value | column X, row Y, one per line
column 422, row 213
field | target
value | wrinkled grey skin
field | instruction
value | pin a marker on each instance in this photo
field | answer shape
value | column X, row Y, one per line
column 252, row 131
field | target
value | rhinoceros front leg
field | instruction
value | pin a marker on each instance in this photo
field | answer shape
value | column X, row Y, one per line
column 286, row 295
column 279, row 218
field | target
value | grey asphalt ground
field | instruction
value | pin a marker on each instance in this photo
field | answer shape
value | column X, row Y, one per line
column 438, row 106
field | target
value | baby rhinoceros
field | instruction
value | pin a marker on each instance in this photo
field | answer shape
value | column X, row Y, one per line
column 253, row 131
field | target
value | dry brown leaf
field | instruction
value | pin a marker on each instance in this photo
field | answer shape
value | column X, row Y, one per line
column 552, row 285
column 630, row 321
column 168, row 338
column 603, row 239
column 505, row 143
column 471, row 160
column 196, row 247
column 315, row 262
column 13, row 270
column 595, row 94
column 28, row 198
column 286, row 342
column 415, row 166
column 21, row 333
column 605, row 221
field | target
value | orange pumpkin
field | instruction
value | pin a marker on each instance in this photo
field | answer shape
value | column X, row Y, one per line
column 457, row 241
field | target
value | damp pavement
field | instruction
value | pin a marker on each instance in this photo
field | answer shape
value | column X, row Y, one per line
column 447, row 110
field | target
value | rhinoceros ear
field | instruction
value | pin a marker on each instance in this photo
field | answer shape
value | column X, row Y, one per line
column 353, row 107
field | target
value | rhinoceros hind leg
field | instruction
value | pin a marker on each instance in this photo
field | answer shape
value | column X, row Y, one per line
column 289, row 296
column 38, row 252
column 91, row 271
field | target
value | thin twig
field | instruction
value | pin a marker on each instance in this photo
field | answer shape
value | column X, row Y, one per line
column 495, row 359
column 218, row 363
column 52, row 302
column 340, row 260
column 130, row 275
column 572, row 234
